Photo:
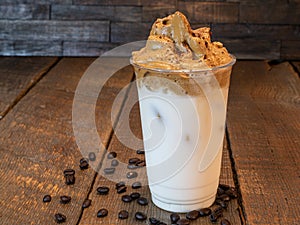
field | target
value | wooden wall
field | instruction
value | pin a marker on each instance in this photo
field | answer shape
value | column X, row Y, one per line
column 251, row 29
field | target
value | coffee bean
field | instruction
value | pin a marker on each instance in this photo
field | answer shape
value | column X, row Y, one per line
column 114, row 163
column 136, row 185
column 103, row 190
column 69, row 179
column 142, row 201
column 153, row 220
column 102, row 213
column 192, row 215
column 84, row 164
column 135, row 195
column 47, row 198
column 183, row 222
column 140, row 151
column 65, row 199
column 220, row 191
column 111, row 155
column 224, row 187
column 120, row 184
column 174, row 217
column 217, row 213
column 126, row 198
column 60, row 218
column 69, row 172
column 225, row 222
column 140, row 216
column 161, row 223
column 224, row 197
column 133, row 160
column 221, row 203
column 141, row 163
column 121, row 189
column 131, row 175
column 232, row 192
column 109, row 170
column 86, row 203
column 123, row 214
column 132, row 166
column 204, row 211
column 92, row 156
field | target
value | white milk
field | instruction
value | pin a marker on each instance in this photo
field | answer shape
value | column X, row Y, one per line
column 177, row 130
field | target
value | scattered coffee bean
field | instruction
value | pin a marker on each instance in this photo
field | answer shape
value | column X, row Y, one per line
column 131, row 175
column 136, row 185
column 92, row 156
column 224, row 187
column 225, row 222
column 86, row 203
column 121, row 189
column 126, row 198
column 153, row 220
column 69, row 179
column 140, row 216
column 174, row 217
column 224, row 197
column 47, row 198
column 65, row 199
column 135, row 195
column 103, row 190
column 204, row 211
column 192, row 215
column 221, row 203
column 84, row 164
column 102, row 213
column 132, row 166
column 220, row 191
column 142, row 201
column 111, row 155
column 183, row 222
column 161, row 223
column 141, row 163
column 123, row 214
column 140, row 151
column 217, row 213
column 60, row 218
column 114, row 163
column 120, row 184
column 69, row 172
column 232, row 192
column 109, row 170
column 133, row 160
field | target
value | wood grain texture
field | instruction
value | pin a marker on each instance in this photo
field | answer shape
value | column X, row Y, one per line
column 263, row 125
column 17, row 76
column 37, row 144
column 24, row 11
column 126, row 145
column 55, row 30
column 290, row 50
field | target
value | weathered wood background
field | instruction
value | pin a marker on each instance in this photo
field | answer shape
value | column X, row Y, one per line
column 251, row 29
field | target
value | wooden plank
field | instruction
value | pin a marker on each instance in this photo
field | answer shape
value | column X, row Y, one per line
column 37, row 48
column 37, row 144
column 86, row 12
column 127, row 32
column 24, row 11
column 151, row 13
column 107, row 2
column 296, row 65
column 283, row 12
column 55, row 30
column 252, row 49
column 86, row 48
column 17, row 76
column 113, row 202
column 290, row 49
column 264, row 132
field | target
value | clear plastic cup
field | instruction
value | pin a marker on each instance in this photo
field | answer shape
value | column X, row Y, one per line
column 183, row 115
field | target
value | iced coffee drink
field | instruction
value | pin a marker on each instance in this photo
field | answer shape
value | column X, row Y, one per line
column 182, row 80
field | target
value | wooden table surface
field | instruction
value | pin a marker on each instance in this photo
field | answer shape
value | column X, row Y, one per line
column 261, row 156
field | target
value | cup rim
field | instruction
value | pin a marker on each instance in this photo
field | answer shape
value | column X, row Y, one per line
column 231, row 63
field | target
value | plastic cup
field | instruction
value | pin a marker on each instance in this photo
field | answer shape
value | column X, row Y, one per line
column 183, row 115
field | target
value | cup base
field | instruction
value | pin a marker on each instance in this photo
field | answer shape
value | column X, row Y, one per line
column 182, row 207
